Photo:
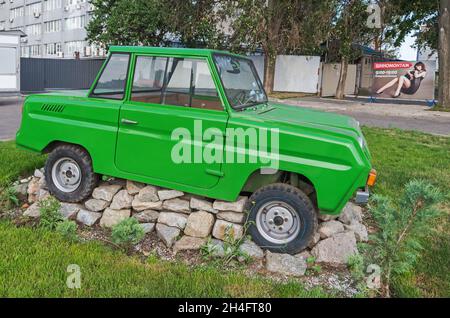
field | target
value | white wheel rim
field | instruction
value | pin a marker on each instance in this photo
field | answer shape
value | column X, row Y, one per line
column 278, row 222
column 66, row 175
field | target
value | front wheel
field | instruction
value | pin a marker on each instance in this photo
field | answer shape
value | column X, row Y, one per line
column 281, row 218
column 69, row 173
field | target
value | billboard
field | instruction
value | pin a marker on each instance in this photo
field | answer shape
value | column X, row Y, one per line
column 404, row 80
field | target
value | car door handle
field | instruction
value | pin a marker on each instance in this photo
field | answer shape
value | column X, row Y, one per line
column 129, row 122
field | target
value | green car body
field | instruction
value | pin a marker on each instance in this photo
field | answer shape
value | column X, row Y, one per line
column 326, row 151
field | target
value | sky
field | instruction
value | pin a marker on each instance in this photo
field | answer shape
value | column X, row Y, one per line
column 406, row 51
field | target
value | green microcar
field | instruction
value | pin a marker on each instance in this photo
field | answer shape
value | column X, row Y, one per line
column 199, row 121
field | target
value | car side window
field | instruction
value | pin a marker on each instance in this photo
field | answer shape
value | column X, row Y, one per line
column 148, row 79
column 112, row 81
column 176, row 82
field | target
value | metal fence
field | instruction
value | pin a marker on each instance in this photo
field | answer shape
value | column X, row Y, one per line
column 40, row 75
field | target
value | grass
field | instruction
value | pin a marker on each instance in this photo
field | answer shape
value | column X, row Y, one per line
column 34, row 262
column 400, row 156
column 16, row 163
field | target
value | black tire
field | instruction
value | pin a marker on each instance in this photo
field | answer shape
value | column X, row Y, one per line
column 89, row 178
column 301, row 205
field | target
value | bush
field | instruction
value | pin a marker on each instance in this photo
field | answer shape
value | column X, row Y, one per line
column 8, row 198
column 68, row 229
column 127, row 233
column 401, row 227
column 50, row 214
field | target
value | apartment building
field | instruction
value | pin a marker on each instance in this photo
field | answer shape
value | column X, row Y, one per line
column 53, row 28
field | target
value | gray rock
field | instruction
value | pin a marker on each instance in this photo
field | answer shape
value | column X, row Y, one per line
column 112, row 217
column 139, row 205
column 199, row 224
column 38, row 174
column 251, row 249
column 33, row 190
column 134, row 187
column 148, row 216
column 216, row 247
column 96, row 205
column 148, row 194
column 106, row 192
column 360, row 231
column 87, row 217
column 177, row 205
column 187, row 243
column 328, row 229
column 21, row 190
column 236, row 206
column 42, row 184
column 122, row 200
column 305, row 255
column 222, row 228
column 351, row 214
column 42, row 194
column 173, row 219
column 69, row 210
column 33, row 211
column 336, row 249
column 202, row 205
column 148, row 227
column 285, row 264
column 167, row 234
column 169, row 194
column 315, row 240
column 233, row 217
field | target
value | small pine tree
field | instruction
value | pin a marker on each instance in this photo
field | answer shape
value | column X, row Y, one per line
column 127, row 233
column 397, row 243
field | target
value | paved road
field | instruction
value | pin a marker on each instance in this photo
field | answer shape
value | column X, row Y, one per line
column 407, row 117
column 402, row 116
column 10, row 115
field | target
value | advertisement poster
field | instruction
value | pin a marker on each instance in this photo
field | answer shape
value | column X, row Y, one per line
column 404, row 80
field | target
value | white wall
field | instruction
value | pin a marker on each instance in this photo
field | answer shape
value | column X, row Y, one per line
column 330, row 79
column 298, row 74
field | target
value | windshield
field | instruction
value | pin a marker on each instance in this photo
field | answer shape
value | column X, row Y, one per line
column 240, row 80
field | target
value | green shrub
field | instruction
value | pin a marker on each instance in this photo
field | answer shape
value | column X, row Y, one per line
column 402, row 226
column 8, row 198
column 127, row 233
column 50, row 214
column 68, row 229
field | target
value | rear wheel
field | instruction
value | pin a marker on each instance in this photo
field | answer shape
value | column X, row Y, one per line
column 69, row 173
column 281, row 218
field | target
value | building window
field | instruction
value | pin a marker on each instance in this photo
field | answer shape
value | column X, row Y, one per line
column 25, row 51
column 52, row 26
column 74, row 46
column 34, row 8
column 16, row 12
column 33, row 30
column 2, row 25
column 35, row 50
column 53, row 48
column 75, row 2
column 76, row 23
column 50, row 5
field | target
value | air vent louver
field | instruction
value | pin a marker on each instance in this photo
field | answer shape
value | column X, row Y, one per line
column 53, row 108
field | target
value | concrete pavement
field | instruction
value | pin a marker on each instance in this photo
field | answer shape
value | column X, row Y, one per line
column 402, row 116
column 10, row 116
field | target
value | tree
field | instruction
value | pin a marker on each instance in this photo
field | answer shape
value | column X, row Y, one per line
column 278, row 27
column 350, row 27
column 154, row 23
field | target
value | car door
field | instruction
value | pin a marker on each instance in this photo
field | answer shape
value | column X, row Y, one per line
column 173, row 102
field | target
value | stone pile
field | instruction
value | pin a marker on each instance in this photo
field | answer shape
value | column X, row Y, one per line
column 187, row 222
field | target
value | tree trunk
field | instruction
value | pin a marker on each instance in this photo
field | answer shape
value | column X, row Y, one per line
column 444, row 54
column 269, row 72
column 340, row 91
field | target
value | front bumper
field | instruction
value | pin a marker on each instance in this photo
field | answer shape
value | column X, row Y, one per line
column 362, row 196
